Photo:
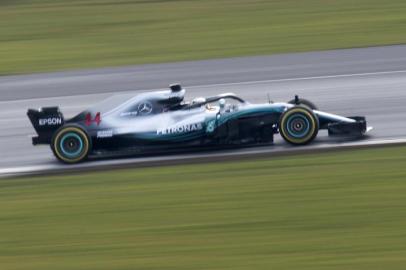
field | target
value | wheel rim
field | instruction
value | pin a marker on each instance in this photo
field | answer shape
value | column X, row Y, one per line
column 298, row 125
column 71, row 145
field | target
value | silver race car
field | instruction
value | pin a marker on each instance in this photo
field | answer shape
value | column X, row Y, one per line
column 162, row 121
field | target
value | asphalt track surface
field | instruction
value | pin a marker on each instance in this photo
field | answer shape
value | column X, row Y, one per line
column 368, row 81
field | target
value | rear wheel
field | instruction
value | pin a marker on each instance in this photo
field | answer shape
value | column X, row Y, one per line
column 298, row 125
column 70, row 144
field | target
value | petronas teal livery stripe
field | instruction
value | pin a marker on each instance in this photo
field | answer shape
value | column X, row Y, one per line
column 224, row 118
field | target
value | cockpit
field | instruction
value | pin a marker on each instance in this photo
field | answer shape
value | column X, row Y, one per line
column 152, row 103
column 228, row 102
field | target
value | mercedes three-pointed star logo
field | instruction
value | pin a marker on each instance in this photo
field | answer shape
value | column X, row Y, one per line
column 145, row 108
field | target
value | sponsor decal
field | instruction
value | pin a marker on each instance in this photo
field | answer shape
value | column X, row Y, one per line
column 105, row 133
column 125, row 114
column 145, row 108
column 180, row 129
column 51, row 121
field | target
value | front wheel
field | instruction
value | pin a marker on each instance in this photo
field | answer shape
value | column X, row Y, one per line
column 70, row 144
column 298, row 125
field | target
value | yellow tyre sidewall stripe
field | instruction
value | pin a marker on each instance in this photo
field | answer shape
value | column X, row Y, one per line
column 85, row 143
column 296, row 140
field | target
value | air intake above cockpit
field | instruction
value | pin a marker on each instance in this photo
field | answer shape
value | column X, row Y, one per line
column 175, row 87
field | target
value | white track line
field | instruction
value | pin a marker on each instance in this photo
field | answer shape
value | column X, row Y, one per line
column 54, row 168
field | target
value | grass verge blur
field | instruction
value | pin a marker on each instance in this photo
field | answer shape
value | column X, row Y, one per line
column 344, row 210
column 47, row 35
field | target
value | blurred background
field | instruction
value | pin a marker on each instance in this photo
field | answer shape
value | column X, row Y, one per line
column 335, row 210
column 48, row 35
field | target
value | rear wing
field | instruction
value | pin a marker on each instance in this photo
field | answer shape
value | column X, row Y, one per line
column 45, row 122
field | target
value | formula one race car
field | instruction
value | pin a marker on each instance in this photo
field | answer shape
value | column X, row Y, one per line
column 163, row 121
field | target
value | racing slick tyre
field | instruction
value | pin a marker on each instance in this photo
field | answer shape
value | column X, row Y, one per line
column 70, row 144
column 298, row 125
column 304, row 102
